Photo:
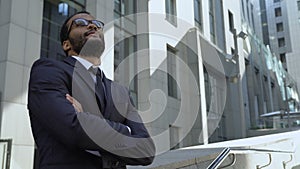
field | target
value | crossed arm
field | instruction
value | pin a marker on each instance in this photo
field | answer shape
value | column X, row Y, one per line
column 49, row 105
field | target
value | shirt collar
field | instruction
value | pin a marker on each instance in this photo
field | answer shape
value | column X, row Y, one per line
column 85, row 62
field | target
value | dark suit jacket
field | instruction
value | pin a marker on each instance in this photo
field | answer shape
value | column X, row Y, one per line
column 65, row 138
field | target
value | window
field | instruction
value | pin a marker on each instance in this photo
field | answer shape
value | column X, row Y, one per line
column 248, row 12
column 171, row 11
column 298, row 4
column 243, row 8
column 282, row 58
column 252, row 16
column 279, row 27
column 212, row 21
column 278, row 12
column 63, row 8
column 231, row 21
column 118, row 7
column 281, row 42
column 216, row 21
column 276, row 1
column 198, row 13
column 208, row 90
column 126, row 47
column 123, row 7
column 55, row 13
column 171, row 68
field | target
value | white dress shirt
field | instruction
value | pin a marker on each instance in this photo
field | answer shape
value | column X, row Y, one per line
column 87, row 64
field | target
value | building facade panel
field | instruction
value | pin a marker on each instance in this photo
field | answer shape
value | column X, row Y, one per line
column 18, row 26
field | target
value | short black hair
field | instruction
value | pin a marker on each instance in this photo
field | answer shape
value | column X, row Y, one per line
column 64, row 29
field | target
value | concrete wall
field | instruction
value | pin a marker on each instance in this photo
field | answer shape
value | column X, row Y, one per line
column 20, row 41
column 293, row 59
column 272, row 20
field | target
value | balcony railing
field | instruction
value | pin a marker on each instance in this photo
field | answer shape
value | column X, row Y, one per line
column 263, row 152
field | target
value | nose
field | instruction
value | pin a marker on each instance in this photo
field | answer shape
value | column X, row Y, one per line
column 92, row 26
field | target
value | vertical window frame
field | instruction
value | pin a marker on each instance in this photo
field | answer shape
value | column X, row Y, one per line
column 171, row 11
column 212, row 21
column 279, row 27
column 281, row 42
column 198, row 14
column 231, row 20
column 298, row 5
column 172, row 69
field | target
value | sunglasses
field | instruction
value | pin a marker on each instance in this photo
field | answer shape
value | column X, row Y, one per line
column 84, row 22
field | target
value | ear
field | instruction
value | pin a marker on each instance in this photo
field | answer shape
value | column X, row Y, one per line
column 66, row 45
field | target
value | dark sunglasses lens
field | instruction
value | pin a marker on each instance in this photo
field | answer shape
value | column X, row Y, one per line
column 81, row 22
column 84, row 22
column 99, row 24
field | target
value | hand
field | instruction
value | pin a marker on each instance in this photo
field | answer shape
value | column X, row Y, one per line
column 77, row 106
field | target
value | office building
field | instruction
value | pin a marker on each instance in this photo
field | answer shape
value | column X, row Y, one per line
column 196, row 69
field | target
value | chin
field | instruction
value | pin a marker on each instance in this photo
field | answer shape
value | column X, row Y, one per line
column 93, row 47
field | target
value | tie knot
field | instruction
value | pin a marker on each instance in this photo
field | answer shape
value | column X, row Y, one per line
column 96, row 71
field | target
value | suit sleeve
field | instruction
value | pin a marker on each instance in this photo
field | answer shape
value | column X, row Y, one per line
column 48, row 86
column 135, row 122
column 138, row 130
column 47, row 104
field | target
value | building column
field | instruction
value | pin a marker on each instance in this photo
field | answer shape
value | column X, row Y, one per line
column 20, row 39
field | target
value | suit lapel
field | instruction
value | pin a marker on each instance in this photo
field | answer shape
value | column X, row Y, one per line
column 81, row 72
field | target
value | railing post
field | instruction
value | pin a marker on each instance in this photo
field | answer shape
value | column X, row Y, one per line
column 270, row 161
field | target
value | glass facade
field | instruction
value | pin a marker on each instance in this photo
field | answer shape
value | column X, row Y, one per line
column 55, row 13
column 125, row 44
column 123, row 8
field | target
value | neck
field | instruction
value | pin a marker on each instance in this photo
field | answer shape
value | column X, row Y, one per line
column 94, row 60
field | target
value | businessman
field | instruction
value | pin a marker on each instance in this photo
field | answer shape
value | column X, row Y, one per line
column 79, row 118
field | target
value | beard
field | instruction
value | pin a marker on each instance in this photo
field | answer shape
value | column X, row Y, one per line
column 88, row 47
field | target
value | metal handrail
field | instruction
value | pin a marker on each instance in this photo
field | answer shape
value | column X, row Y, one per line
column 219, row 159
column 264, row 151
column 266, row 165
column 284, row 163
column 7, row 152
column 232, row 163
column 226, row 151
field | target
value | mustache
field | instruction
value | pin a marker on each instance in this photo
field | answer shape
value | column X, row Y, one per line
column 89, row 32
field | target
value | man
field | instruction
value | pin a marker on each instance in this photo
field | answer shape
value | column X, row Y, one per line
column 79, row 118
